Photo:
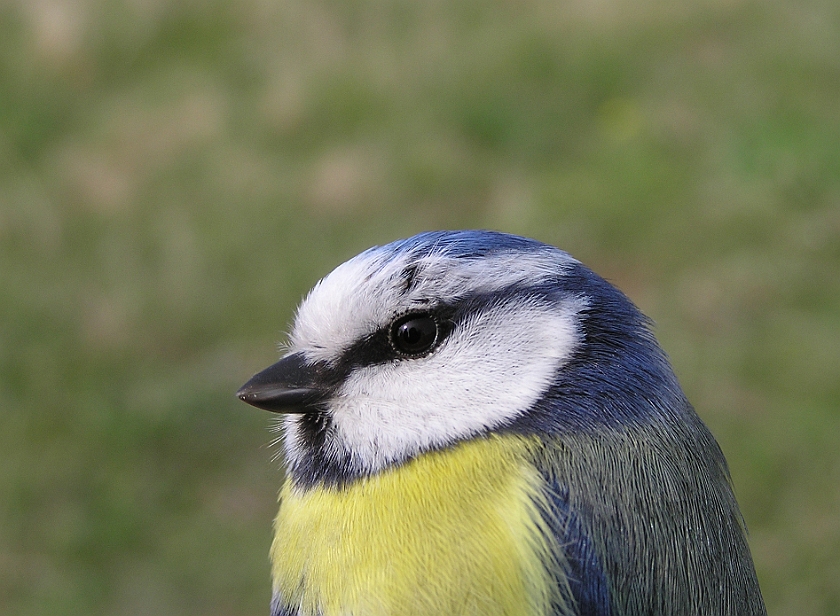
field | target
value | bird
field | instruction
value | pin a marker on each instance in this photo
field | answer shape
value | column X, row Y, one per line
column 475, row 423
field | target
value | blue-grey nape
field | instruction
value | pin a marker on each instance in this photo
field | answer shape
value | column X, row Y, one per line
column 617, row 375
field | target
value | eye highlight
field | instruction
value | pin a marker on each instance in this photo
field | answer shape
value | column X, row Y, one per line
column 415, row 334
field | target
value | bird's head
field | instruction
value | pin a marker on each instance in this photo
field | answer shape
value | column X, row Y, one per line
column 446, row 336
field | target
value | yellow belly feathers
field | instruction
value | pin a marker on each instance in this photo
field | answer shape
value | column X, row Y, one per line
column 451, row 532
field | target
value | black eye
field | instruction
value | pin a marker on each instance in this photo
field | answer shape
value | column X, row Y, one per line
column 414, row 334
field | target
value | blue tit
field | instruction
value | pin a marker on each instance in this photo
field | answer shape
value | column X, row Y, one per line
column 475, row 423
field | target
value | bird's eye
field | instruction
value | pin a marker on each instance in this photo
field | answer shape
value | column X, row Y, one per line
column 414, row 334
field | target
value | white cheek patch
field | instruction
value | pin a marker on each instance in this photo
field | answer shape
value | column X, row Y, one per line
column 368, row 291
column 489, row 370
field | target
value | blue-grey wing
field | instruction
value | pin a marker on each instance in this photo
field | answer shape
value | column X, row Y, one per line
column 584, row 571
column 280, row 608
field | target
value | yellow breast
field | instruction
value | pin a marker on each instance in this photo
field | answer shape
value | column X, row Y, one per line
column 451, row 532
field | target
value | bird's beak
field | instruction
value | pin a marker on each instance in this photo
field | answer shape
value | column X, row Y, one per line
column 289, row 386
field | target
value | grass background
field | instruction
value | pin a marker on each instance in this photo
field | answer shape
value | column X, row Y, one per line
column 174, row 176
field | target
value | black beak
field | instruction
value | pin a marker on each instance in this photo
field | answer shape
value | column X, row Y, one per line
column 289, row 386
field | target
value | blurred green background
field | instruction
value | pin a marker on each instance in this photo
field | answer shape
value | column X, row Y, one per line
column 174, row 176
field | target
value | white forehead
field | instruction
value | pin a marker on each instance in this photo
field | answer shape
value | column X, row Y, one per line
column 369, row 291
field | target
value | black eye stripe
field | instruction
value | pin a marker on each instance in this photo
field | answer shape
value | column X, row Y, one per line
column 379, row 348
